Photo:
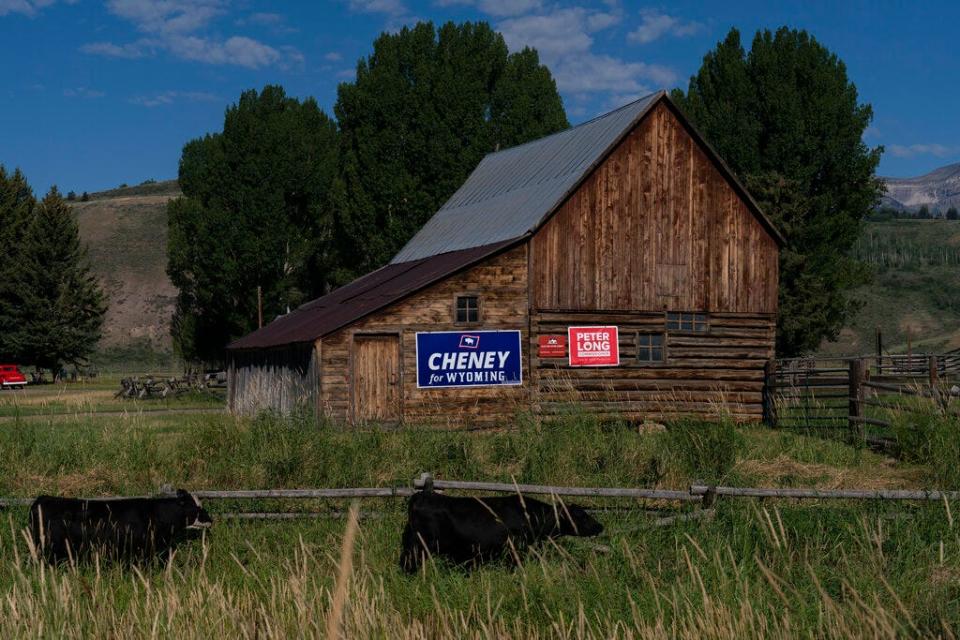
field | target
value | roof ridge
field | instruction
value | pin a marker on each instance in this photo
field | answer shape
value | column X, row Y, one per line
column 577, row 126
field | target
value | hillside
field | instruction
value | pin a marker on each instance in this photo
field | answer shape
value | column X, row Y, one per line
column 938, row 190
column 125, row 231
column 916, row 265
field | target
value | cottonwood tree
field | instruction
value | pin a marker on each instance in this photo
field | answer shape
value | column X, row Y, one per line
column 787, row 119
column 425, row 107
column 255, row 212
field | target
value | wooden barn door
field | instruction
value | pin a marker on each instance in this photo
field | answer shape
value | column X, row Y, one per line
column 376, row 378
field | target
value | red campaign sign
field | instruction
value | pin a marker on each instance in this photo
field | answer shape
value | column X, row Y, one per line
column 594, row 346
column 553, row 346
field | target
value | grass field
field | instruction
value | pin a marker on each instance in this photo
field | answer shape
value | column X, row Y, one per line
column 772, row 569
column 85, row 398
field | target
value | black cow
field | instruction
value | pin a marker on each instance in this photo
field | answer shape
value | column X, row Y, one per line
column 474, row 530
column 120, row 528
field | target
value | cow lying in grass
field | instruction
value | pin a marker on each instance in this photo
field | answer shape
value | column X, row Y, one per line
column 133, row 528
column 469, row 531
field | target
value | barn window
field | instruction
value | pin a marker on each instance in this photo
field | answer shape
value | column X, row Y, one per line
column 683, row 321
column 467, row 309
column 650, row 347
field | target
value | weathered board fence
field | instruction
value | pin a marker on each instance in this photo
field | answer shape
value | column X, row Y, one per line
column 852, row 394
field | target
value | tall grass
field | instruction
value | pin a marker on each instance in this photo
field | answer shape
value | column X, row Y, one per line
column 755, row 571
column 931, row 440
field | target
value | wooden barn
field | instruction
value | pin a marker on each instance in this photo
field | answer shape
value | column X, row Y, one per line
column 618, row 265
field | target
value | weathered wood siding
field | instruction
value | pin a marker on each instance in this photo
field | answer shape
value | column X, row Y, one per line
column 283, row 379
column 656, row 226
column 717, row 371
column 501, row 283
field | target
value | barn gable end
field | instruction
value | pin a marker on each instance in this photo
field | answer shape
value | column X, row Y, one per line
column 656, row 226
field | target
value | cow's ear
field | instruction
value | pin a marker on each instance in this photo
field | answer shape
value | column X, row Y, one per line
column 183, row 496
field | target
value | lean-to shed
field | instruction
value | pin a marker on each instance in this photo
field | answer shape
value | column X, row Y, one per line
column 618, row 265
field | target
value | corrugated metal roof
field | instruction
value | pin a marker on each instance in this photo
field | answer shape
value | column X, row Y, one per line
column 362, row 297
column 512, row 191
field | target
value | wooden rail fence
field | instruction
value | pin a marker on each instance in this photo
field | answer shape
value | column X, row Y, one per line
column 705, row 494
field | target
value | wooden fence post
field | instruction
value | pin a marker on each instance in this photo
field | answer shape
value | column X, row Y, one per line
column 769, row 393
column 933, row 372
column 855, row 411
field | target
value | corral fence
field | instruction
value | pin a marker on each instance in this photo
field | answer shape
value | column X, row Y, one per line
column 860, row 397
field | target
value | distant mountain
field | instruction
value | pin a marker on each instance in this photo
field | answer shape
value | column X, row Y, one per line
column 938, row 190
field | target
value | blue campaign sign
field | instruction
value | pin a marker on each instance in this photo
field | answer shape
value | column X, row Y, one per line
column 468, row 359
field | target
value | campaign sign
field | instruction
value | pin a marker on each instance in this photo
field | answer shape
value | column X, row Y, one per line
column 594, row 346
column 468, row 359
column 552, row 346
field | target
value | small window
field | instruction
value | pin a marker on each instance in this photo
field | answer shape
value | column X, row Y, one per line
column 683, row 321
column 650, row 347
column 468, row 309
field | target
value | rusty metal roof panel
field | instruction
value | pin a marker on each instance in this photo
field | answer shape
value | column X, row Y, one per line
column 511, row 191
column 362, row 297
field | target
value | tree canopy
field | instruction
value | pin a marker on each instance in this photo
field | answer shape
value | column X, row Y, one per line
column 425, row 107
column 255, row 212
column 51, row 305
column 788, row 120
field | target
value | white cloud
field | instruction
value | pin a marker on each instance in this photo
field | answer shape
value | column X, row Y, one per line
column 554, row 35
column 264, row 18
column 129, row 50
column 238, row 50
column 83, row 92
column 496, row 7
column 16, row 6
column 172, row 25
column 389, row 7
column 274, row 22
column 167, row 16
column 169, row 97
column 591, row 73
column 654, row 25
column 28, row 8
column 332, row 56
column 913, row 150
column 565, row 39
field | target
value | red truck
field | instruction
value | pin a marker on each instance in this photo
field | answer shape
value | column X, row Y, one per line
column 10, row 377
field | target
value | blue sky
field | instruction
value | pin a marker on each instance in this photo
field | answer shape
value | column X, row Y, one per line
column 96, row 93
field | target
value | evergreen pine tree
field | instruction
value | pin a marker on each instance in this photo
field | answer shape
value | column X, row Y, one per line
column 16, row 207
column 61, row 302
column 952, row 213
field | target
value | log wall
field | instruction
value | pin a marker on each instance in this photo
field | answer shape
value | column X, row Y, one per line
column 501, row 283
column 705, row 374
column 656, row 226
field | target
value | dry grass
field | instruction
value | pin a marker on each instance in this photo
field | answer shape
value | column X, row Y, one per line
column 785, row 471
